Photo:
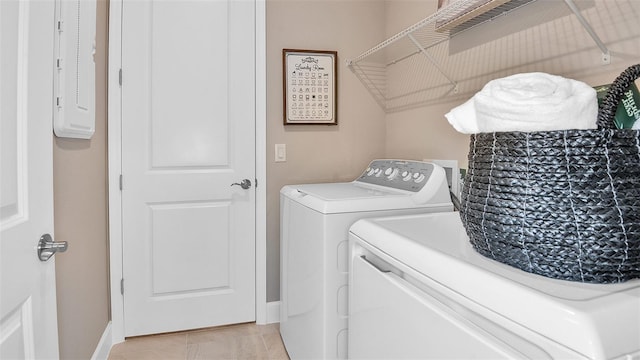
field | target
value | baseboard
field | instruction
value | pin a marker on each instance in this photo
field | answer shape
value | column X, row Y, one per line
column 104, row 346
column 273, row 312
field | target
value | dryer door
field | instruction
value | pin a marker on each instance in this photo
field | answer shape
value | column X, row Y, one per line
column 395, row 318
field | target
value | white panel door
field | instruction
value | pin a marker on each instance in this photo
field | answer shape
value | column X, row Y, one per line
column 188, row 119
column 28, row 320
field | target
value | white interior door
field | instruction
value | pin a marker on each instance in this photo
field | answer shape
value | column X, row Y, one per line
column 188, row 133
column 28, row 319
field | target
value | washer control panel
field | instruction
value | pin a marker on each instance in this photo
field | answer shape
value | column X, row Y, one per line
column 398, row 174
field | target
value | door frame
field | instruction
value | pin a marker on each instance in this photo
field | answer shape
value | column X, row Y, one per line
column 115, row 167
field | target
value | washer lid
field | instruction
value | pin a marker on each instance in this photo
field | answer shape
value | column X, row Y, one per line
column 347, row 191
column 596, row 320
column 354, row 196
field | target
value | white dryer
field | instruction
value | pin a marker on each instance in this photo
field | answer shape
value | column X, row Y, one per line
column 314, row 224
column 418, row 290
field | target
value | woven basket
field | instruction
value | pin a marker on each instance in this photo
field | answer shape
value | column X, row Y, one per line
column 562, row 204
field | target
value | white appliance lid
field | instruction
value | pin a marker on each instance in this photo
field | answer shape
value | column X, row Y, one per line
column 384, row 185
column 331, row 198
column 599, row 321
column 348, row 191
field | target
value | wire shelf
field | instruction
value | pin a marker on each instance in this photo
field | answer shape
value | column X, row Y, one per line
column 421, row 66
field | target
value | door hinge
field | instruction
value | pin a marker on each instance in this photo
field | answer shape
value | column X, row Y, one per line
column 120, row 77
column 256, row 181
column 120, row 182
column 59, row 25
column 122, row 286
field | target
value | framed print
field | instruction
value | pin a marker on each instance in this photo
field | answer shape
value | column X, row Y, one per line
column 310, row 87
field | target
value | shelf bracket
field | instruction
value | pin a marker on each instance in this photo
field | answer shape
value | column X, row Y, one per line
column 369, row 84
column 433, row 62
column 606, row 56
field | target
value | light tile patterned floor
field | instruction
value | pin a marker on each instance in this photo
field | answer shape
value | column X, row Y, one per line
column 243, row 341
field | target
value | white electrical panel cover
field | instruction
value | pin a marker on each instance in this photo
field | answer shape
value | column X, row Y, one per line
column 74, row 102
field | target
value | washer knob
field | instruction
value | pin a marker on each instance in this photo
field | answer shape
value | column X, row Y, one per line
column 418, row 178
column 406, row 176
column 391, row 173
column 369, row 171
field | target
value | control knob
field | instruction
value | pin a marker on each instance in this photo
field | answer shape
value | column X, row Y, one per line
column 391, row 173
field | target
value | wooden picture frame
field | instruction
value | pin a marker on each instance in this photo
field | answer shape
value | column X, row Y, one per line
column 310, row 87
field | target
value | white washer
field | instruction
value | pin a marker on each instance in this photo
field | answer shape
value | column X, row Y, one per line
column 314, row 224
column 419, row 290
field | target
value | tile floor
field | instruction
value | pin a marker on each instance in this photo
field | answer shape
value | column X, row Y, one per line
column 243, row 341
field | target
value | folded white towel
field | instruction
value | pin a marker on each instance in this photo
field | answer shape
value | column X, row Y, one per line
column 528, row 102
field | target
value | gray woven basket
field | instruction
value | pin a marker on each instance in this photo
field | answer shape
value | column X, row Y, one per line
column 562, row 204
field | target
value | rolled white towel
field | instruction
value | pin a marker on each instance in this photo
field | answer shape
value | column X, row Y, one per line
column 463, row 118
column 528, row 102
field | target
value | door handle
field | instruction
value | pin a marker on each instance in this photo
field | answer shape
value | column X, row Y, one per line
column 47, row 247
column 245, row 184
column 377, row 267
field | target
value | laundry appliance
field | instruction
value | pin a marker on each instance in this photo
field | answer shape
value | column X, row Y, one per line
column 418, row 290
column 315, row 219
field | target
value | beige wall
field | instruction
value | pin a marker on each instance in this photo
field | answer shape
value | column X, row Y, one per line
column 80, row 211
column 419, row 133
column 319, row 153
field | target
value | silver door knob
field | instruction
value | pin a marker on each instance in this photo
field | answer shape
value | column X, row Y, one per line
column 47, row 247
column 245, row 184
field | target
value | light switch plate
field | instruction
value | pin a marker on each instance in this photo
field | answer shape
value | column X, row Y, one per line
column 281, row 153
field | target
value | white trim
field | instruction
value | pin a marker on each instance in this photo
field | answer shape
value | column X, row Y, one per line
column 104, row 345
column 261, row 158
column 115, row 166
column 273, row 312
column 115, row 169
